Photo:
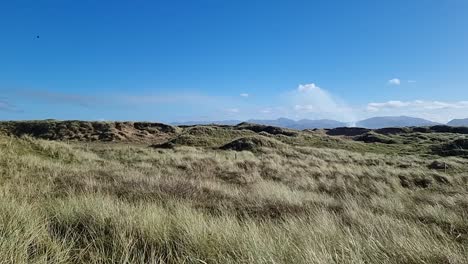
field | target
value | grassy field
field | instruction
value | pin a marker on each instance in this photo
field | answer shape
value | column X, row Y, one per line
column 299, row 198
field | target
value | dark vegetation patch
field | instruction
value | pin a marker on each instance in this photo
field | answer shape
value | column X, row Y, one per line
column 457, row 147
column 441, row 179
column 207, row 136
column 422, row 182
column 393, row 130
column 404, row 181
column 448, row 129
column 348, row 131
column 268, row 129
column 252, row 144
column 164, row 145
column 371, row 137
column 438, row 165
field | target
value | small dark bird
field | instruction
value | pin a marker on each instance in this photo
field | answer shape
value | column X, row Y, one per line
column 37, row 36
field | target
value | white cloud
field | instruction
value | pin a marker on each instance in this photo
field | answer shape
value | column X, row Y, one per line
column 394, row 81
column 308, row 87
column 373, row 107
column 311, row 101
column 244, row 95
column 266, row 111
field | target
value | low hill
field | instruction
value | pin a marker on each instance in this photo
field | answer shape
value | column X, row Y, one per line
column 89, row 131
column 248, row 193
column 397, row 140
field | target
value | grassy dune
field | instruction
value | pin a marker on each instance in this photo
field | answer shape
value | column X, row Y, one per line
column 287, row 203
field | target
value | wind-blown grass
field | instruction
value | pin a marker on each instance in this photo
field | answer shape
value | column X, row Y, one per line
column 117, row 203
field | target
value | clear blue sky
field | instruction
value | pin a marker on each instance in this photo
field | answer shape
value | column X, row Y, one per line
column 211, row 59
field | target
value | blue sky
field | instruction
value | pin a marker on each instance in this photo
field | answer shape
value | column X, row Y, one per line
column 213, row 60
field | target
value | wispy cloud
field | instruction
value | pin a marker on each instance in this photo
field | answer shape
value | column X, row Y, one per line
column 244, row 95
column 233, row 110
column 373, row 107
column 417, row 104
column 435, row 110
column 115, row 98
column 6, row 106
column 59, row 97
column 166, row 98
column 394, row 81
column 119, row 103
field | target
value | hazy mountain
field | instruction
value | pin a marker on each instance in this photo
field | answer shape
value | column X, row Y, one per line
column 321, row 123
column 394, row 121
column 192, row 123
column 301, row 124
column 458, row 122
column 280, row 122
column 374, row 122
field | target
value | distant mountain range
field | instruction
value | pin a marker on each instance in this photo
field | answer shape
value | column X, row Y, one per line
column 300, row 124
column 193, row 123
column 372, row 123
column 280, row 122
column 394, row 121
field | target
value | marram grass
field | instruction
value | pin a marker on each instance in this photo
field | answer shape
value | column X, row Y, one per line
column 116, row 203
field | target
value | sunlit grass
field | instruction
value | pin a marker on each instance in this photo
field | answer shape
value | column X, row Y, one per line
column 117, row 203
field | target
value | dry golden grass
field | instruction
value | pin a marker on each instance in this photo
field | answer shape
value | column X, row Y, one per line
column 117, row 203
